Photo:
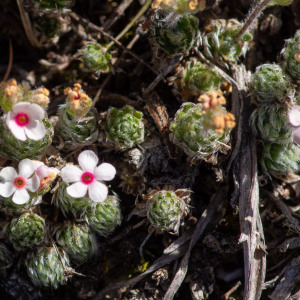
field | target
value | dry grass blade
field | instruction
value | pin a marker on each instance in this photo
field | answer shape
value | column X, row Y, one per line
column 208, row 216
column 289, row 285
column 294, row 222
column 246, row 189
column 160, row 262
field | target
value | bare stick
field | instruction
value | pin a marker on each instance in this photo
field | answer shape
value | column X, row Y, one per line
column 27, row 25
column 132, row 22
column 253, row 15
column 99, row 92
column 97, row 28
column 10, row 61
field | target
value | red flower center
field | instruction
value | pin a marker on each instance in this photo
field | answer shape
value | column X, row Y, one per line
column 87, row 177
column 21, row 119
column 19, row 182
column 78, row 97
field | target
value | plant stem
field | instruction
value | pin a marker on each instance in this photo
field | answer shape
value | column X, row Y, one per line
column 131, row 23
column 253, row 15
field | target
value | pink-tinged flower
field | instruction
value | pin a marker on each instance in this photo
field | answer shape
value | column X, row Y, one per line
column 24, row 121
column 87, row 179
column 18, row 183
column 294, row 119
column 46, row 174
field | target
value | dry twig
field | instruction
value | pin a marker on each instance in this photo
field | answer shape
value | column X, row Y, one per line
column 244, row 168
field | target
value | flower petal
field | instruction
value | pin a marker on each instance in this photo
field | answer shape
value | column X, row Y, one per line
column 294, row 116
column 7, row 189
column 17, row 131
column 35, row 130
column 8, row 174
column 98, row 191
column 36, row 112
column 33, row 183
column 296, row 136
column 77, row 190
column 43, row 171
column 37, row 164
column 71, row 173
column 20, row 196
column 21, row 107
column 26, row 168
column 88, row 160
column 105, row 172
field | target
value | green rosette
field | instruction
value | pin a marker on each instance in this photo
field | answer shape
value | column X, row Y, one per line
column 77, row 240
column 48, row 266
column 280, row 159
column 96, row 58
column 291, row 55
column 77, row 206
column 105, row 216
column 13, row 148
column 165, row 210
column 192, row 131
column 221, row 41
column 200, row 78
column 83, row 131
column 271, row 124
column 270, row 84
column 14, row 208
column 26, row 231
column 174, row 33
column 125, row 127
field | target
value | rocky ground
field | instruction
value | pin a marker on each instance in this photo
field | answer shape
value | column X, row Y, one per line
column 208, row 258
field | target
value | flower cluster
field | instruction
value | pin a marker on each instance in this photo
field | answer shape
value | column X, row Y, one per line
column 31, row 177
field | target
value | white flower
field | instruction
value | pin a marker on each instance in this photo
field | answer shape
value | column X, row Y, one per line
column 18, row 183
column 46, row 174
column 87, row 178
column 24, row 121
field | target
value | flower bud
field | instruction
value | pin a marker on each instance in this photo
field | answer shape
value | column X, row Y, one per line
column 10, row 94
column 78, row 123
column 180, row 6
